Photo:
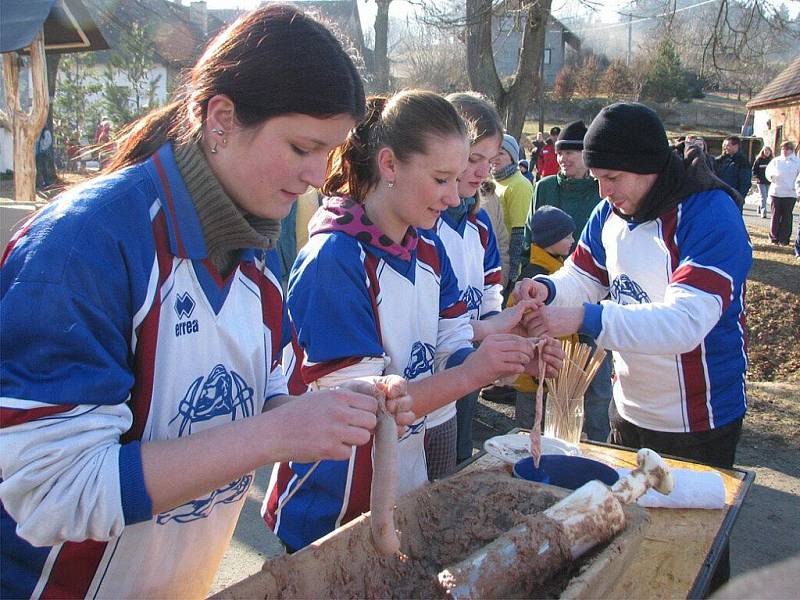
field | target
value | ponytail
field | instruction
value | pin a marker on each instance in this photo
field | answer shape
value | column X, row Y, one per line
column 350, row 169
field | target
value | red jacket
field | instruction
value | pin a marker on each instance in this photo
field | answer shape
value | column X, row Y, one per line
column 546, row 163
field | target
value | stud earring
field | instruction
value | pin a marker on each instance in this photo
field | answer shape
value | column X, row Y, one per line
column 214, row 148
column 391, row 184
column 217, row 130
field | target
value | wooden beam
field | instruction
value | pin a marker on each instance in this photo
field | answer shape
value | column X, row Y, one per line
column 26, row 126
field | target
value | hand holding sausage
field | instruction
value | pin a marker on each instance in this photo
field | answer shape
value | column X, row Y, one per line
column 499, row 355
column 552, row 355
column 325, row 424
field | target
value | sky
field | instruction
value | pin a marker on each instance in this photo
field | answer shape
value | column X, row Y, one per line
column 607, row 10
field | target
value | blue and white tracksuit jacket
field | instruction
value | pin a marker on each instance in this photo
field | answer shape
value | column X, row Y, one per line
column 117, row 329
column 359, row 311
column 675, row 319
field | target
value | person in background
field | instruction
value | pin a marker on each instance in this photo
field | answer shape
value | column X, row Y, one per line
column 373, row 292
column 671, row 249
column 536, row 147
column 469, row 241
column 294, row 229
column 781, row 173
column 44, row 151
column 797, row 191
column 760, row 171
column 734, row 169
column 523, row 168
column 698, row 142
column 575, row 192
column 143, row 325
column 515, row 193
column 489, row 202
column 552, row 237
column 546, row 161
column 521, row 142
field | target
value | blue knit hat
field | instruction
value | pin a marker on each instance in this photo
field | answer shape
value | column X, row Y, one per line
column 511, row 146
column 550, row 225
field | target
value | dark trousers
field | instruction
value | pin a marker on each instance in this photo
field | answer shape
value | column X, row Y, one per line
column 716, row 447
column 781, row 225
column 465, row 411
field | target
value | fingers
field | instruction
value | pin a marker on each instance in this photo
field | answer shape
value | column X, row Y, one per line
column 392, row 386
column 359, row 401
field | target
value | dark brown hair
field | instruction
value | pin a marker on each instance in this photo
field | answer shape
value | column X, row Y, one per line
column 482, row 119
column 404, row 123
column 274, row 60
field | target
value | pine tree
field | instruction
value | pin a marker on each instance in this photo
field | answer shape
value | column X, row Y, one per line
column 74, row 111
column 665, row 78
column 129, row 87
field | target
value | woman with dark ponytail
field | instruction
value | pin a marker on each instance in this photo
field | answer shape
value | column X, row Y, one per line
column 373, row 293
column 143, row 323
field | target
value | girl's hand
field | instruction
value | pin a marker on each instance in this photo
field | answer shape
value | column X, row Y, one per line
column 511, row 320
column 552, row 355
column 499, row 355
column 325, row 425
column 395, row 389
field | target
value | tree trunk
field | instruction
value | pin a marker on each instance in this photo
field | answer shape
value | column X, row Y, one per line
column 382, row 46
column 26, row 127
column 512, row 103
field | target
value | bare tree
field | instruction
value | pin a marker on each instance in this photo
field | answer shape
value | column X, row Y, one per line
column 432, row 58
column 512, row 100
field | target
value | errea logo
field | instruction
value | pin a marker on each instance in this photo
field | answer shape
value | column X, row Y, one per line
column 184, row 307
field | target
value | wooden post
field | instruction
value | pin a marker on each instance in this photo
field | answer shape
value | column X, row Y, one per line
column 26, row 127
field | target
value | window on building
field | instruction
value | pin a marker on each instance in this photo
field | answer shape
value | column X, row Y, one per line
column 547, row 56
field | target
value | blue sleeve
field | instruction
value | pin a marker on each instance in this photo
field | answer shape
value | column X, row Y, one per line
column 715, row 254
column 329, row 303
column 68, row 292
column 449, row 294
column 491, row 256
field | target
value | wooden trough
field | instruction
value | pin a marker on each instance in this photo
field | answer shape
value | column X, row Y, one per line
column 440, row 524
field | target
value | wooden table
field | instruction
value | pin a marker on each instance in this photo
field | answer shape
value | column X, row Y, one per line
column 682, row 546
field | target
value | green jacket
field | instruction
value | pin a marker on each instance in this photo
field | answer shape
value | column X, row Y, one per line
column 576, row 197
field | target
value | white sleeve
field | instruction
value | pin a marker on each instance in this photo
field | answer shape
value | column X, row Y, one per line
column 574, row 287
column 453, row 342
column 366, row 367
column 61, row 472
column 674, row 326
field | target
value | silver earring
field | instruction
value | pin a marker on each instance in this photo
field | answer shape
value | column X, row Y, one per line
column 214, row 148
column 217, row 130
column 391, row 184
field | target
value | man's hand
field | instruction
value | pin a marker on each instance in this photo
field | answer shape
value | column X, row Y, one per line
column 529, row 289
column 555, row 321
column 511, row 320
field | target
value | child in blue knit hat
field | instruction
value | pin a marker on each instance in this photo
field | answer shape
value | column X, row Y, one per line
column 551, row 240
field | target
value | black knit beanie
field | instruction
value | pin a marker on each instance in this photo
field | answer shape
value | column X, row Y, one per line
column 571, row 137
column 626, row 136
column 549, row 225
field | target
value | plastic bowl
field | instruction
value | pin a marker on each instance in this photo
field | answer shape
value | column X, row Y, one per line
column 569, row 472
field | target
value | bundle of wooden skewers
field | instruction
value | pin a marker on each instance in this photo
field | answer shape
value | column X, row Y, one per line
column 566, row 391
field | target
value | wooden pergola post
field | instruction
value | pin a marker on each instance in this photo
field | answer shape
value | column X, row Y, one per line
column 26, row 126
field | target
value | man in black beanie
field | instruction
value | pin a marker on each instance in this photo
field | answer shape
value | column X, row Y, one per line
column 576, row 193
column 670, row 248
